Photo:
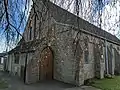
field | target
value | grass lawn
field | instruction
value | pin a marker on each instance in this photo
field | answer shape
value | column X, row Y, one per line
column 3, row 84
column 108, row 84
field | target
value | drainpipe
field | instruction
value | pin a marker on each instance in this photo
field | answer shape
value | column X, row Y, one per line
column 12, row 59
column 25, row 68
column 106, row 55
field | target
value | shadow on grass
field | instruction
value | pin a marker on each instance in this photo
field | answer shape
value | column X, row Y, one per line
column 3, row 84
column 107, row 84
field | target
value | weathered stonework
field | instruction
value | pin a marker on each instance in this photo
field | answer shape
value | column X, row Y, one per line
column 78, row 53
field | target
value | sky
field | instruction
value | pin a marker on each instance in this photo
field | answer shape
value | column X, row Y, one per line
column 110, row 15
column 16, row 12
column 111, row 18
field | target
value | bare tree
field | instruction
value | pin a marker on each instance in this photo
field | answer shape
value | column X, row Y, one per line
column 111, row 18
column 13, row 17
column 101, row 13
column 14, row 14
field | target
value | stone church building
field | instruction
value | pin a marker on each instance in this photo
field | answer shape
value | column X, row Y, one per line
column 59, row 45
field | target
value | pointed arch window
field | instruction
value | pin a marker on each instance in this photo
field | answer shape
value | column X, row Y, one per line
column 30, row 30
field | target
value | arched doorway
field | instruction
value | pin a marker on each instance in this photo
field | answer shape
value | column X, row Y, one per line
column 46, row 64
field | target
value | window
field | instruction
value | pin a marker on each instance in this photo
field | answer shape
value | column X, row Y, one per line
column 16, row 59
column 86, row 55
column 30, row 33
column 35, row 19
column 0, row 59
column 30, row 30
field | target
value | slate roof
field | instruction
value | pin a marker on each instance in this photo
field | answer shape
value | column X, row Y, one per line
column 2, row 54
column 26, row 47
column 63, row 16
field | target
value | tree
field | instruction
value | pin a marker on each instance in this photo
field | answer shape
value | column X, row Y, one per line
column 14, row 15
column 111, row 18
column 13, row 18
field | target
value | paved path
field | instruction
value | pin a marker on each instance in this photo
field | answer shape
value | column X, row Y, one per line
column 83, row 88
column 16, row 84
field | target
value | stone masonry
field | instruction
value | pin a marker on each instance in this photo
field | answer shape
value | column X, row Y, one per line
column 78, row 53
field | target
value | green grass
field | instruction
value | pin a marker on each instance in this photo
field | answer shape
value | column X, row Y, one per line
column 3, row 84
column 108, row 84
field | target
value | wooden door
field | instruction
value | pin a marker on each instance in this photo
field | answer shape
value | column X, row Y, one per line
column 46, row 64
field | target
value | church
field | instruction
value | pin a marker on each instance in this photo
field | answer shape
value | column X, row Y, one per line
column 58, row 45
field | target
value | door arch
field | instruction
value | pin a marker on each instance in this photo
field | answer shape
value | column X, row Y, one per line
column 46, row 64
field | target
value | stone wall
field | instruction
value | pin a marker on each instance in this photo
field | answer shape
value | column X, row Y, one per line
column 64, row 59
column 10, row 59
column 15, row 68
column 78, row 54
column 116, row 55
